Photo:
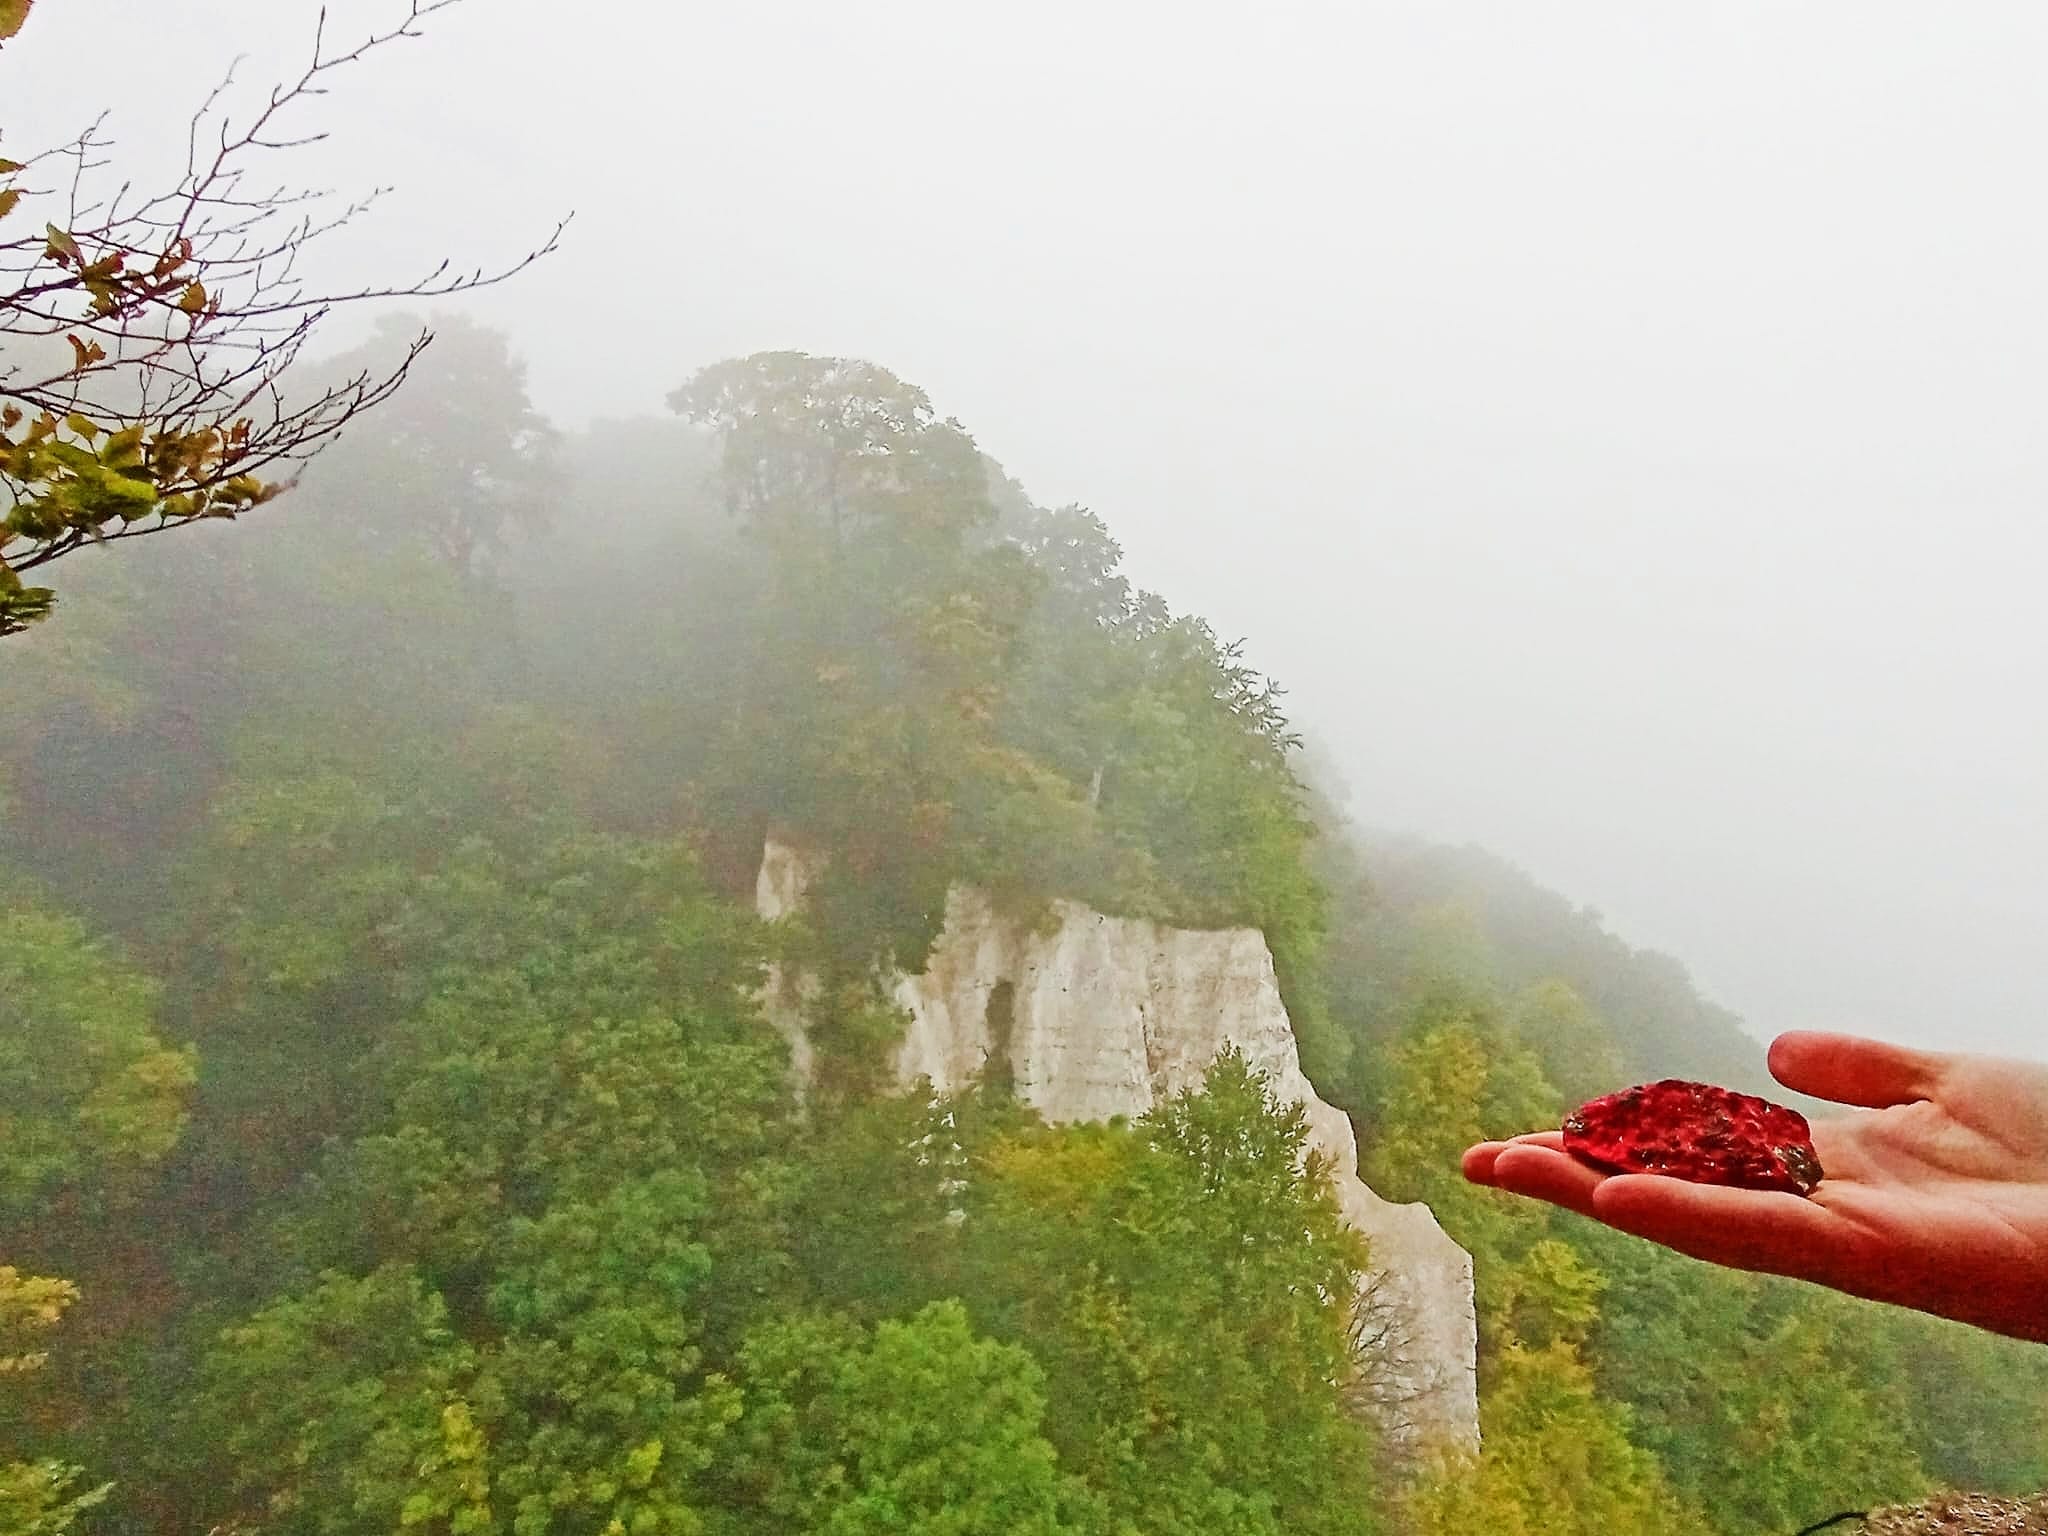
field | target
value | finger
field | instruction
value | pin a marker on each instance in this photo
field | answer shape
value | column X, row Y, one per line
column 1477, row 1163
column 1852, row 1070
column 1779, row 1234
column 1546, row 1173
column 1480, row 1157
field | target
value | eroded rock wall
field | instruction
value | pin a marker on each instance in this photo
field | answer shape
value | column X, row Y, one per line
column 1102, row 1016
column 778, row 892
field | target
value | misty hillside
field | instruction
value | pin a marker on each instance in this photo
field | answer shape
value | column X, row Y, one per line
column 813, row 770
column 386, row 1070
column 1526, row 933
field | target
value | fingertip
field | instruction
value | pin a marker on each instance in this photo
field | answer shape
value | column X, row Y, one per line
column 1797, row 1057
column 1477, row 1163
column 1852, row 1069
column 1783, row 1055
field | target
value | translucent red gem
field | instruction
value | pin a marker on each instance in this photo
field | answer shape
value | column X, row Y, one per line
column 1697, row 1132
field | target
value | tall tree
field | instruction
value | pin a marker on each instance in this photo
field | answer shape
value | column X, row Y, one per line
column 462, row 464
column 880, row 644
column 836, row 460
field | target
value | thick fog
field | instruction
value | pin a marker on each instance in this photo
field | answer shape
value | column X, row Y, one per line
column 1620, row 426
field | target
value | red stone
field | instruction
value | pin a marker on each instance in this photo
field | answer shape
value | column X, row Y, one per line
column 1697, row 1132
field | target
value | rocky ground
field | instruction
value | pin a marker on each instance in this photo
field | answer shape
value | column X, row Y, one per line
column 1965, row 1514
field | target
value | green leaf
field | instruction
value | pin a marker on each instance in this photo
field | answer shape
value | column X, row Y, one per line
column 128, row 488
column 73, row 458
column 84, row 426
column 123, row 449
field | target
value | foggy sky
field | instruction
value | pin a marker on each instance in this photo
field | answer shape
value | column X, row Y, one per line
column 1620, row 426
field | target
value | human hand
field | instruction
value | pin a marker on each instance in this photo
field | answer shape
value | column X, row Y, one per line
column 1935, row 1194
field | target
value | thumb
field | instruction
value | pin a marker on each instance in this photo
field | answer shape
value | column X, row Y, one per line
column 1852, row 1070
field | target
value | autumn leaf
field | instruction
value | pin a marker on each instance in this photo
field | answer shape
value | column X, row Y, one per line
column 123, row 449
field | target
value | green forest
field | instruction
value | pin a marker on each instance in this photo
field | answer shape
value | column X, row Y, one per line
column 391, row 1139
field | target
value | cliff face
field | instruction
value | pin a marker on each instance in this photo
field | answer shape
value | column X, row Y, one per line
column 1101, row 1016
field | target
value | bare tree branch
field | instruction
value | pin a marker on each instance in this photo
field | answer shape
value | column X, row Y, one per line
column 1387, row 1381
column 146, row 341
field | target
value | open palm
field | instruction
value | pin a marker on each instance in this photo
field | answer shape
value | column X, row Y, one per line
column 1935, row 1193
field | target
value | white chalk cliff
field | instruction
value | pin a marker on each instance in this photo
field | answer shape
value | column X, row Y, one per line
column 1108, row 1016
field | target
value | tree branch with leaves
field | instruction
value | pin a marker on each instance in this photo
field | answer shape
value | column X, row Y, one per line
column 147, row 338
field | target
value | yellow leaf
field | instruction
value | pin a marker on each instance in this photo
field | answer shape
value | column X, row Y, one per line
column 193, row 299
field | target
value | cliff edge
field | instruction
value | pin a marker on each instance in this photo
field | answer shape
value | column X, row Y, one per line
column 1101, row 1016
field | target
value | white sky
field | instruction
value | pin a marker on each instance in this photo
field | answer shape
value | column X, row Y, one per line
column 1620, row 425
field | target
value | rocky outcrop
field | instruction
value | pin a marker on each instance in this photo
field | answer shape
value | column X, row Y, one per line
column 1100, row 1016
column 778, row 892
column 784, row 879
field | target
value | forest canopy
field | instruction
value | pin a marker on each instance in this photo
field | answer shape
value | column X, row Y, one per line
column 395, row 1140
